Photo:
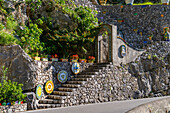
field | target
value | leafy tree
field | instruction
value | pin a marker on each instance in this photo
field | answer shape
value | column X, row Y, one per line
column 30, row 38
column 67, row 40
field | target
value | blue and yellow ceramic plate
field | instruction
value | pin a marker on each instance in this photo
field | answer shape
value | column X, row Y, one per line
column 62, row 76
column 39, row 90
column 75, row 68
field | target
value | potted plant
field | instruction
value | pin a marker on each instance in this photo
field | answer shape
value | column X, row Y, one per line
column 91, row 59
column 103, row 2
column 83, row 60
column 35, row 56
column 54, row 57
column 65, row 58
column 44, row 58
column 165, row 2
column 74, row 58
column 129, row 2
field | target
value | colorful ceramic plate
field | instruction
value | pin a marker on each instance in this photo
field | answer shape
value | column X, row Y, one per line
column 123, row 50
column 39, row 90
column 75, row 68
column 62, row 76
column 49, row 87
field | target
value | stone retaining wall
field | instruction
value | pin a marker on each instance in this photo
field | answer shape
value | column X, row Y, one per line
column 49, row 70
column 110, row 84
column 14, row 108
column 159, row 106
column 136, row 23
column 30, row 73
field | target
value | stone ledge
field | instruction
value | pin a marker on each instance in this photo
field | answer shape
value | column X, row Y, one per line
column 14, row 108
column 159, row 106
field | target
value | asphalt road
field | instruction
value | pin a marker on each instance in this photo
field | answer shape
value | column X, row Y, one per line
column 109, row 107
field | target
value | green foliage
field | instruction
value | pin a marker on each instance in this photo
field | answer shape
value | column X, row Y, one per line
column 1, row 26
column 7, row 39
column 4, row 71
column 11, row 91
column 30, row 38
column 155, row 56
column 149, row 56
column 67, row 40
column 11, row 23
column 6, row 32
column 147, row 3
column 34, row 4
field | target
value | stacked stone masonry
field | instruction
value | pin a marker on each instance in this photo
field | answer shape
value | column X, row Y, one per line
column 136, row 23
column 14, row 108
column 98, row 83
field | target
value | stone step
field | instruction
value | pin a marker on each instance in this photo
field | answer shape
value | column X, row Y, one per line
column 66, row 89
column 71, row 85
column 43, row 106
column 51, row 101
column 75, row 82
column 101, row 65
column 80, row 79
column 56, row 97
column 88, row 73
column 84, row 76
column 93, row 70
column 104, row 63
column 61, row 93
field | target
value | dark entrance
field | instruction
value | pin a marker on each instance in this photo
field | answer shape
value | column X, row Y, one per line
column 103, row 49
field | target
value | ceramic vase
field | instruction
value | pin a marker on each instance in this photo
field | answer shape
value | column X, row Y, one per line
column 129, row 2
column 165, row 2
column 103, row 2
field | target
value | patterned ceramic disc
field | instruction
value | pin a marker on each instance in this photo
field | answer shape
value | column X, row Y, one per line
column 75, row 68
column 62, row 76
column 123, row 50
column 49, row 87
column 39, row 90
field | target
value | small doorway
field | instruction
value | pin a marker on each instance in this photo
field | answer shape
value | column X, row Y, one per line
column 103, row 49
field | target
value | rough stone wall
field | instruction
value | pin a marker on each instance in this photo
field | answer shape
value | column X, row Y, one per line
column 152, row 70
column 20, row 66
column 112, row 83
column 14, row 108
column 159, row 106
column 87, row 3
column 136, row 23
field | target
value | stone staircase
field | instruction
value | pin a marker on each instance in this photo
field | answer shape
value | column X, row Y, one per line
column 61, row 97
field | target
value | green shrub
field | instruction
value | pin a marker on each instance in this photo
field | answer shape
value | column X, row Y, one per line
column 30, row 39
column 11, row 23
column 149, row 56
column 11, row 91
column 7, row 39
column 1, row 26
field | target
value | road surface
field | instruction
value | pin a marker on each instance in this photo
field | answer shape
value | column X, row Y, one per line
column 109, row 107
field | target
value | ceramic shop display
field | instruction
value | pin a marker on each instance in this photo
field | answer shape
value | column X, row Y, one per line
column 62, row 76
column 75, row 68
